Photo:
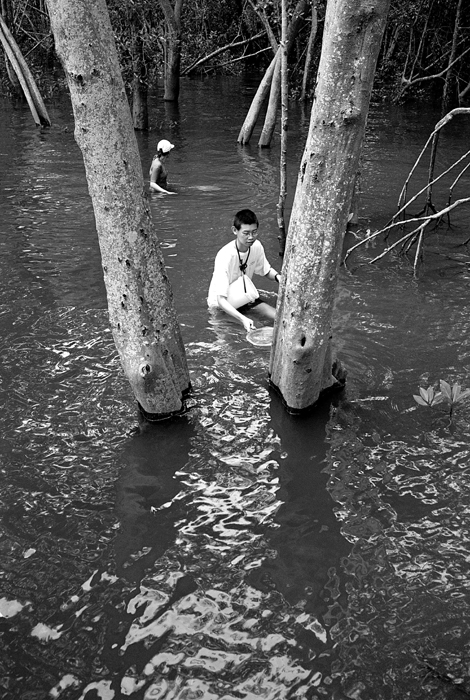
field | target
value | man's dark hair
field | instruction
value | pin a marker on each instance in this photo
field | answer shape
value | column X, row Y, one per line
column 245, row 216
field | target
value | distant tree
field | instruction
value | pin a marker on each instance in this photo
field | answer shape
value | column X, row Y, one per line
column 272, row 78
column 429, row 43
column 140, row 301
column 172, row 48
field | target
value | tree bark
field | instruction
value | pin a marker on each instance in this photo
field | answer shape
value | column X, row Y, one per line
column 450, row 94
column 172, row 49
column 253, row 113
column 25, row 77
column 284, row 127
column 264, row 87
column 140, row 113
column 309, row 54
column 302, row 355
column 140, row 302
column 274, row 99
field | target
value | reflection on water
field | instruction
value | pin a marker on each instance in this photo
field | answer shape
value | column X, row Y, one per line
column 234, row 552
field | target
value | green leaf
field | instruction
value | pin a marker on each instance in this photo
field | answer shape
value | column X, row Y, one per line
column 463, row 395
column 419, row 400
column 424, row 394
column 438, row 398
column 446, row 390
column 456, row 392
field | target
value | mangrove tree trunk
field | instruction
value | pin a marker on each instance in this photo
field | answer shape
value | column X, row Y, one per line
column 140, row 302
column 301, row 358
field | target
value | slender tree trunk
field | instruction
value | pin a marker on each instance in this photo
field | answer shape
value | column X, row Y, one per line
column 271, row 113
column 284, row 126
column 301, row 364
column 264, row 87
column 309, row 54
column 25, row 77
column 450, row 96
column 257, row 103
column 172, row 69
column 7, row 14
column 172, row 49
column 140, row 114
column 140, row 302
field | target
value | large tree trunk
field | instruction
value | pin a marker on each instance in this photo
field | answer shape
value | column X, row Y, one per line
column 301, row 357
column 140, row 301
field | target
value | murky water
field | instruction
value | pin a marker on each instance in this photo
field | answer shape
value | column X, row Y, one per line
column 236, row 552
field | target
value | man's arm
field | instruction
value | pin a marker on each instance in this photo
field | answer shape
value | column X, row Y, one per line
column 273, row 275
column 225, row 305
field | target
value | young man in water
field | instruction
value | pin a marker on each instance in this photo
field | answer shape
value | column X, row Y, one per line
column 244, row 255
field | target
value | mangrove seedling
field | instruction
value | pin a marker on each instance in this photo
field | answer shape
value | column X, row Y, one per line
column 451, row 394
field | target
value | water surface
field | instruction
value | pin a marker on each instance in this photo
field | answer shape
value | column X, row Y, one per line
column 237, row 552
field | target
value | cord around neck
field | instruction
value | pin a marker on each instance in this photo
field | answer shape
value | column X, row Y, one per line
column 243, row 265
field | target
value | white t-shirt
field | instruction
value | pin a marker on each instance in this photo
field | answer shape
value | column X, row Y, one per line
column 227, row 268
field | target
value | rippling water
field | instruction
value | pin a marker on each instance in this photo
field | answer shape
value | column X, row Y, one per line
column 235, row 552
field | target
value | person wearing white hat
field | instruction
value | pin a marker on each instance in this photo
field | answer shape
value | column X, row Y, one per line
column 158, row 172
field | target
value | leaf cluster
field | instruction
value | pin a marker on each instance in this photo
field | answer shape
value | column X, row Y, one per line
column 452, row 394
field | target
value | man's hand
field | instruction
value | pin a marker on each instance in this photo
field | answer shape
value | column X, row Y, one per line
column 248, row 324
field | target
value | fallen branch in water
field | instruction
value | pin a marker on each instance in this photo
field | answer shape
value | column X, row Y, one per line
column 429, row 212
column 417, row 232
column 433, row 139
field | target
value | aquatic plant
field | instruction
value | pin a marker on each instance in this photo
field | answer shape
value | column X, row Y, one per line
column 452, row 394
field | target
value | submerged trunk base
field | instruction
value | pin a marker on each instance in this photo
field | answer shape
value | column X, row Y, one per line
column 338, row 373
column 158, row 417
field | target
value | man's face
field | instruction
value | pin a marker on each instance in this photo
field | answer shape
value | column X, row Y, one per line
column 246, row 235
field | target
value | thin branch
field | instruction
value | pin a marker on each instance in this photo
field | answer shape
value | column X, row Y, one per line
column 442, row 122
column 451, row 188
column 423, row 189
column 418, row 247
column 221, row 49
column 401, row 241
column 407, row 82
column 428, row 219
column 264, row 19
column 241, row 58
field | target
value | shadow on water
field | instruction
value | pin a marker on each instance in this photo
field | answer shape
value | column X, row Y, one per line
column 145, row 490
column 307, row 537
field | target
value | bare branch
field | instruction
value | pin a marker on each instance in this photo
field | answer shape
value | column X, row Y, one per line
column 233, row 44
column 426, row 219
column 242, row 58
column 407, row 81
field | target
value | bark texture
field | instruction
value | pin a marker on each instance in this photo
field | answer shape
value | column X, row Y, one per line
column 172, row 56
column 301, row 356
column 142, row 316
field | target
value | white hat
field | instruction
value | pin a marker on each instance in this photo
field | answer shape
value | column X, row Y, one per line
column 164, row 146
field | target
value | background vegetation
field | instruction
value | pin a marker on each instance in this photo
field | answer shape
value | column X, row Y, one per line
column 425, row 53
